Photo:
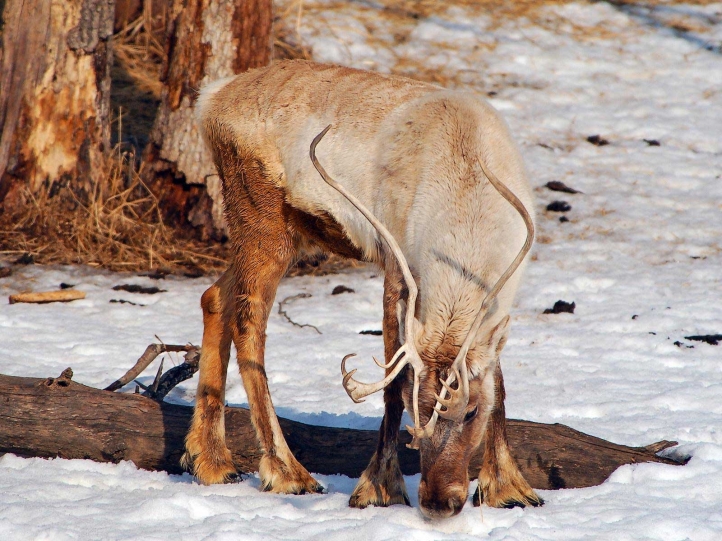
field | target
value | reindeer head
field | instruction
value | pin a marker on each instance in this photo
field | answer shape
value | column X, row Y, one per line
column 450, row 441
column 449, row 404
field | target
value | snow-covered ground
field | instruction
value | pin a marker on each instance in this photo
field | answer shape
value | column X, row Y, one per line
column 641, row 256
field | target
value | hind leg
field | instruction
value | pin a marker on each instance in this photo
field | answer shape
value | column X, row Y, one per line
column 501, row 484
column 259, row 267
column 207, row 456
column 264, row 243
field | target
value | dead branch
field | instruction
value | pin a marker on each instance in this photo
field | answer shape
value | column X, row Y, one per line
column 283, row 313
column 43, row 297
column 151, row 352
column 163, row 384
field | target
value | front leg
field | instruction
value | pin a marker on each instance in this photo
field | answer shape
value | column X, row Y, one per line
column 264, row 243
column 382, row 483
column 501, row 484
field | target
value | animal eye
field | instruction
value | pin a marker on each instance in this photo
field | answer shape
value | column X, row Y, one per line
column 469, row 416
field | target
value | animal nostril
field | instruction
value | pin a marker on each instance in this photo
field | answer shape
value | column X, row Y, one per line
column 439, row 508
column 456, row 504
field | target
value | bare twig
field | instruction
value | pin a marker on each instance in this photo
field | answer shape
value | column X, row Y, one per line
column 151, row 352
column 283, row 313
column 158, row 374
column 177, row 374
column 164, row 383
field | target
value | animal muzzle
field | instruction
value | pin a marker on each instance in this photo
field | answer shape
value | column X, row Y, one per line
column 443, row 503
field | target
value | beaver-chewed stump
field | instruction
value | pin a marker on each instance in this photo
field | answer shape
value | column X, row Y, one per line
column 57, row 417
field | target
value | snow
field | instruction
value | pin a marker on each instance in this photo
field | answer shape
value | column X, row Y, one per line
column 640, row 256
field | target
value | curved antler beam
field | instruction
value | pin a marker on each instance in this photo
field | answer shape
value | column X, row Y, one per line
column 411, row 356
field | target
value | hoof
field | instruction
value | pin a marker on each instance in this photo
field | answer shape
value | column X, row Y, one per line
column 366, row 495
column 232, row 478
column 510, row 501
column 380, row 486
column 281, row 478
column 501, row 483
column 211, row 470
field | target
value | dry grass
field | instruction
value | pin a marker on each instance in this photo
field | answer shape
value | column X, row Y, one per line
column 287, row 42
column 419, row 9
column 138, row 49
column 117, row 226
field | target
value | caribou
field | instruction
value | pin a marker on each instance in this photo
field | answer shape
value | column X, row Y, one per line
column 426, row 183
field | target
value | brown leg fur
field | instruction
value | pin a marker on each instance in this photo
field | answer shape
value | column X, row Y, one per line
column 382, row 484
column 264, row 244
column 206, row 453
column 279, row 470
column 501, row 484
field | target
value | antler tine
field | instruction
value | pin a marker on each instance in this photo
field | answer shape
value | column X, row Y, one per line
column 459, row 397
column 455, row 405
column 356, row 389
column 417, row 431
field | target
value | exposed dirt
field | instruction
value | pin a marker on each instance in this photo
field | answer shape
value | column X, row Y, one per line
column 561, row 307
column 135, row 288
column 559, row 206
column 559, row 186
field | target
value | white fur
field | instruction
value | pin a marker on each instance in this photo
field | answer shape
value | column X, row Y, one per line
column 206, row 93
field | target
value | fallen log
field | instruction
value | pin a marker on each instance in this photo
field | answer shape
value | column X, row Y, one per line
column 57, row 417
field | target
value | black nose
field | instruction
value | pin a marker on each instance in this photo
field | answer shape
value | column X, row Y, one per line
column 442, row 507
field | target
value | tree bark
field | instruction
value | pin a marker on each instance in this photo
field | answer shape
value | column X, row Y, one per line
column 205, row 40
column 54, row 96
column 59, row 418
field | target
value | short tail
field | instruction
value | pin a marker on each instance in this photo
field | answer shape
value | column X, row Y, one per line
column 205, row 95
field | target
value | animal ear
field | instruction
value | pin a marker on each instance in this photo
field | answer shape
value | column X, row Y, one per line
column 499, row 335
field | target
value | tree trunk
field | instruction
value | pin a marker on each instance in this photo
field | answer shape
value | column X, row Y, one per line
column 205, row 40
column 54, row 96
column 59, row 418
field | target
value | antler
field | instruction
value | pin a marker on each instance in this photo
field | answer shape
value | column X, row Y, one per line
column 455, row 405
column 406, row 354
